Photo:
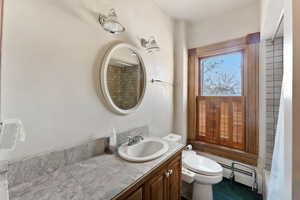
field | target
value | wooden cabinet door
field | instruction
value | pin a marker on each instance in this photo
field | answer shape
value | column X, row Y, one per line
column 174, row 181
column 156, row 188
column 137, row 195
column 163, row 183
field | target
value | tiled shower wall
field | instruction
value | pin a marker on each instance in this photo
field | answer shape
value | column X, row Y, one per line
column 121, row 79
column 273, row 82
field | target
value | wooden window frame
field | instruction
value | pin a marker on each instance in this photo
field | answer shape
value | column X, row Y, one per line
column 249, row 45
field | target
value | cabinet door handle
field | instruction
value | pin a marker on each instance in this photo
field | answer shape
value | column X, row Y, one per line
column 167, row 174
column 170, row 171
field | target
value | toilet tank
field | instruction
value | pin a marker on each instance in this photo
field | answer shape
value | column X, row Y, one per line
column 173, row 138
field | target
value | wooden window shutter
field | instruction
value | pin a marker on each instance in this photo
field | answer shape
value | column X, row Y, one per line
column 221, row 121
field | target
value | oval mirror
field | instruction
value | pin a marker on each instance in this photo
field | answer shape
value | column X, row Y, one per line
column 123, row 78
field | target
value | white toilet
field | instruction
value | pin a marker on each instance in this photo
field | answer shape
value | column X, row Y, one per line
column 202, row 172
column 199, row 170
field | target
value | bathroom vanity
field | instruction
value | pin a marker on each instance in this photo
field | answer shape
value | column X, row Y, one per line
column 73, row 174
column 163, row 183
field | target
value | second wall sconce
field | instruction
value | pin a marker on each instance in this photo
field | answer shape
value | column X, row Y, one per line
column 110, row 22
column 150, row 44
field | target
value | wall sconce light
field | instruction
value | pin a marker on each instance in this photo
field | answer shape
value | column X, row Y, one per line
column 110, row 22
column 150, row 44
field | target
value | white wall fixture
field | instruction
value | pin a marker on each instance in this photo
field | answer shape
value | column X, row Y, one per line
column 110, row 22
column 161, row 81
column 150, row 44
column 12, row 131
column 123, row 78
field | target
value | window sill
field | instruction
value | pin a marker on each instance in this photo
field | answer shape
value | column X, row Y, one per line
column 233, row 154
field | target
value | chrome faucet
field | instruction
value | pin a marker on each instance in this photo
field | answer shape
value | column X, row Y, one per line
column 134, row 139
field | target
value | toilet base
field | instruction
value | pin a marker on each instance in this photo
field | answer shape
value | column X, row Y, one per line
column 202, row 192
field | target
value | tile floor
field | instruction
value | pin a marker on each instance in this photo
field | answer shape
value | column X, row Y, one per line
column 228, row 190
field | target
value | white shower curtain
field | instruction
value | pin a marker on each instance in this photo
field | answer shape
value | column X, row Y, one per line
column 277, row 170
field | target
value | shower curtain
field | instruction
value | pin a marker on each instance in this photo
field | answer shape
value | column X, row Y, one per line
column 277, row 170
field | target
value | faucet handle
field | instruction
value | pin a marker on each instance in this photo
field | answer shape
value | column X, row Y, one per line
column 140, row 137
column 134, row 139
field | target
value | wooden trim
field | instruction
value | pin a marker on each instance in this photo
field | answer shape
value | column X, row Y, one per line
column 219, row 48
column 192, row 52
column 225, row 152
column 252, row 96
column 253, row 38
column 250, row 47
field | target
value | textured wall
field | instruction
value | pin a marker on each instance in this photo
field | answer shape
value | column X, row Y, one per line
column 273, row 82
column 52, row 50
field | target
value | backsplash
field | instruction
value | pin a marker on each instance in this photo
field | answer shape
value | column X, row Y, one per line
column 28, row 169
column 123, row 136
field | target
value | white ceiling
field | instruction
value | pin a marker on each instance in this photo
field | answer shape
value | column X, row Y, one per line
column 195, row 10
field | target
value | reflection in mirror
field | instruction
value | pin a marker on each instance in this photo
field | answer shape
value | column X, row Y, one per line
column 125, row 78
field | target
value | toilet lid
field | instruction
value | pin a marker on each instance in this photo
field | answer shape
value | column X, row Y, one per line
column 202, row 165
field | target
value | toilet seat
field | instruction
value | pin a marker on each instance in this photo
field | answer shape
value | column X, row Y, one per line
column 201, row 165
column 202, row 172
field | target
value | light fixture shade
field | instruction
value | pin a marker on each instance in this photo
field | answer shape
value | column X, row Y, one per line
column 110, row 23
column 150, row 44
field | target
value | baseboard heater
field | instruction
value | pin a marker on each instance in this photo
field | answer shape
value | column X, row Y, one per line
column 234, row 169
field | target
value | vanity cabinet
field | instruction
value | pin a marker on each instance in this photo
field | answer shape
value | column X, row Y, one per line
column 174, row 181
column 163, row 183
column 136, row 195
column 156, row 187
column 166, row 184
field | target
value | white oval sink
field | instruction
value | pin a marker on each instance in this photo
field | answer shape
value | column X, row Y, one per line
column 148, row 149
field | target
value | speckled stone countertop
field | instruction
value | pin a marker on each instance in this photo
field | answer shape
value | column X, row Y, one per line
column 99, row 178
column 3, row 181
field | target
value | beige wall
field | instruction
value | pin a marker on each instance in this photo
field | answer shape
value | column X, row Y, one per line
column 181, row 79
column 51, row 52
column 232, row 25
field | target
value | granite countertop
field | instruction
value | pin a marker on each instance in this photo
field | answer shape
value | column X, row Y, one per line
column 99, row 178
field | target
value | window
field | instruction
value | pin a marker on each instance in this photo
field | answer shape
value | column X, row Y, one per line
column 220, row 105
column 223, row 99
column 222, row 75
